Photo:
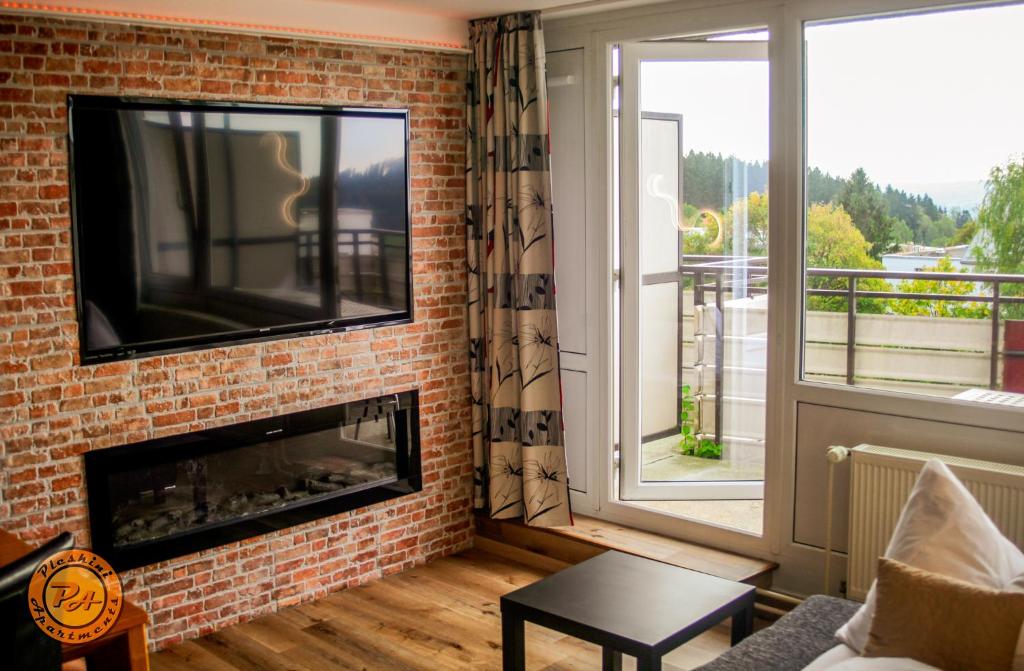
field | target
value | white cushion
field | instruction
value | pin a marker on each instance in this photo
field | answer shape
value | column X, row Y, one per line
column 882, row 664
column 943, row 529
column 844, row 658
column 831, row 657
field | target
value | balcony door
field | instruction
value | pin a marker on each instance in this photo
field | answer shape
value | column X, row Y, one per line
column 693, row 268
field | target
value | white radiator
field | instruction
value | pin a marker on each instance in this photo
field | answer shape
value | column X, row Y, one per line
column 880, row 483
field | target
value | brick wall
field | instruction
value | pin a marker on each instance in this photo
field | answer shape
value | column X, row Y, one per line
column 52, row 409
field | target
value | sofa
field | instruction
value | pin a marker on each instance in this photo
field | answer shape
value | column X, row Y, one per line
column 949, row 594
column 793, row 642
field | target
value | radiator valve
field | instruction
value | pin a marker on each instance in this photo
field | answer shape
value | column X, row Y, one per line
column 837, row 453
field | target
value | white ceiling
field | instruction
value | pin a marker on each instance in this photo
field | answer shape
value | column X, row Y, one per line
column 465, row 9
column 439, row 24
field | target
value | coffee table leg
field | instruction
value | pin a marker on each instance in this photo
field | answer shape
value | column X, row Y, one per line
column 513, row 643
column 611, row 659
column 650, row 662
column 743, row 623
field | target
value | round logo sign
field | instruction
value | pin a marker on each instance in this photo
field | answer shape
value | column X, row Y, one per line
column 74, row 596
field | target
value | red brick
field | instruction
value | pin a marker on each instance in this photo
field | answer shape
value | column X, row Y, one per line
column 11, row 399
column 172, row 418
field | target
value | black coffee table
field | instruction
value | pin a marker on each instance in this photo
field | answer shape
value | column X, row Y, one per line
column 625, row 604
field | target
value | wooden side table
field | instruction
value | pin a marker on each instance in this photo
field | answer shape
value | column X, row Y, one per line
column 123, row 648
column 625, row 604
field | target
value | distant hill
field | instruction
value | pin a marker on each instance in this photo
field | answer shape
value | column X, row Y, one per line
column 966, row 195
column 708, row 179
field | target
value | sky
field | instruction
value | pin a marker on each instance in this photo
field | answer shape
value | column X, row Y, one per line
column 929, row 102
column 366, row 140
column 369, row 140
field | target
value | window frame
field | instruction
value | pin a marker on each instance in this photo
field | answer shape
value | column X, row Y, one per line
column 968, row 413
column 597, row 34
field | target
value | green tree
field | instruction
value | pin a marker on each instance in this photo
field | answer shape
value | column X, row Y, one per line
column 1001, row 221
column 708, row 178
column 869, row 212
column 1001, row 217
column 833, row 241
column 961, row 217
column 965, row 234
column 823, row 187
column 700, row 235
column 901, row 232
column 933, row 308
column 904, row 208
column 753, row 210
column 702, row 240
column 936, row 232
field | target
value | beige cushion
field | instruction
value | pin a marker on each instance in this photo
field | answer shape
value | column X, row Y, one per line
column 942, row 621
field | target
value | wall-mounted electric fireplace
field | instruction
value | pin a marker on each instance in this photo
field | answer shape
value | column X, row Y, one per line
column 172, row 496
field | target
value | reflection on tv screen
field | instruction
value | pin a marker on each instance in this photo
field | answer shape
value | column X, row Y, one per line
column 208, row 224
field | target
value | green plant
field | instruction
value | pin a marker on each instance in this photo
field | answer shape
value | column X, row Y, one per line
column 691, row 443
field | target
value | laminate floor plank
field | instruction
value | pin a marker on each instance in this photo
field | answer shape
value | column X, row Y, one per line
column 366, row 646
column 443, row 616
column 304, row 615
column 448, row 659
column 312, row 648
column 245, row 654
column 271, row 631
column 188, row 655
column 480, row 612
column 478, row 626
column 420, row 632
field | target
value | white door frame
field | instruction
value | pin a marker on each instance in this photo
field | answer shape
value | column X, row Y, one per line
column 597, row 36
column 632, row 487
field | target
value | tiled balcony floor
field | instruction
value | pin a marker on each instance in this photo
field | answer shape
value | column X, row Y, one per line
column 663, row 463
column 743, row 515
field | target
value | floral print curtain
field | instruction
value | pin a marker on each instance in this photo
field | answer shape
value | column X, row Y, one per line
column 519, row 453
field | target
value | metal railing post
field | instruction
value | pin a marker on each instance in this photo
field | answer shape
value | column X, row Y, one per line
column 851, row 329
column 719, row 359
column 993, row 372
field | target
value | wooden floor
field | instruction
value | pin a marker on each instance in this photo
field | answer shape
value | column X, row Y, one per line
column 444, row 615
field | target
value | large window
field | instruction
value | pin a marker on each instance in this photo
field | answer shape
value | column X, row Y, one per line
column 914, row 214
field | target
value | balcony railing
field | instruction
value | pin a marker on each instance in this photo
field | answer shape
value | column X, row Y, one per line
column 742, row 277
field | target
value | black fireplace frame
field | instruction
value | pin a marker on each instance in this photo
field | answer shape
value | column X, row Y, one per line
column 100, row 463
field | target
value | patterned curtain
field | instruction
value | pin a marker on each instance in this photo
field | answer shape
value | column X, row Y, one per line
column 518, row 449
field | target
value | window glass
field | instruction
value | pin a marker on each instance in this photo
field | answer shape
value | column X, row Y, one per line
column 914, row 215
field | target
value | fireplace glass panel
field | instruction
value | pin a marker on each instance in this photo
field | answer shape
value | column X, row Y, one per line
column 271, row 466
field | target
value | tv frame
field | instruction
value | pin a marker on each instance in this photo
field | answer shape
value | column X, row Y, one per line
column 246, row 336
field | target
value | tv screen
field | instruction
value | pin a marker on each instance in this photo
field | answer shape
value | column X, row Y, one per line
column 197, row 224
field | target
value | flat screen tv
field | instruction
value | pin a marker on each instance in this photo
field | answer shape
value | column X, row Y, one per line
column 197, row 224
